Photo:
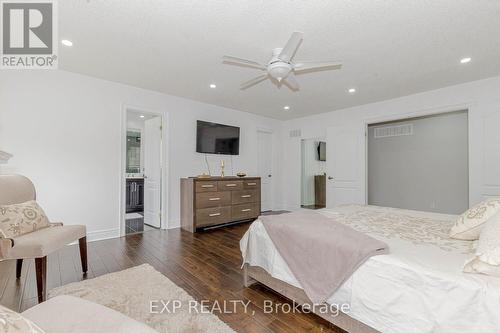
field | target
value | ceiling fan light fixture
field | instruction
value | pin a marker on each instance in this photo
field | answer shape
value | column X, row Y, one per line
column 279, row 70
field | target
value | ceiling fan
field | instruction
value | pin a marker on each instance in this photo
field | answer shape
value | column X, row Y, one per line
column 281, row 68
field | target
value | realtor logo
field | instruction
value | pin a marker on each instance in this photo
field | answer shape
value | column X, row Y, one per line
column 29, row 35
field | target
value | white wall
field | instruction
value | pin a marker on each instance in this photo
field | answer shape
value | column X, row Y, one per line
column 482, row 98
column 427, row 170
column 64, row 130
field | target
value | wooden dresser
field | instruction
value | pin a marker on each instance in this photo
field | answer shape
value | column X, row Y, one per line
column 207, row 202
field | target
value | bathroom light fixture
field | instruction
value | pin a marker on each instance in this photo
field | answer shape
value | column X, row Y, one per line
column 213, row 85
column 286, row 107
column 465, row 60
column 352, row 90
column 142, row 116
column 67, row 42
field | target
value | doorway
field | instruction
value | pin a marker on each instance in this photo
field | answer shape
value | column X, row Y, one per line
column 420, row 163
column 265, row 168
column 143, row 172
column 313, row 175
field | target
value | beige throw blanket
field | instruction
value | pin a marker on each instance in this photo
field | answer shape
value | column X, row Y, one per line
column 320, row 252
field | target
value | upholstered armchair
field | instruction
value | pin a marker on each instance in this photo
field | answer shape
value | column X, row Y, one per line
column 16, row 189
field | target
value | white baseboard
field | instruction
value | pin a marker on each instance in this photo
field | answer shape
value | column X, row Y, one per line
column 93, row 236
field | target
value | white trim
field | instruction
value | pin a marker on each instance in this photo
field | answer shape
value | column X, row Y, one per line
column 415, row 114
column 164, row 163
column 93, row 236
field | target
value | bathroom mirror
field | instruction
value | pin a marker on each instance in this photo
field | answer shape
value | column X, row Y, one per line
column 133, row 151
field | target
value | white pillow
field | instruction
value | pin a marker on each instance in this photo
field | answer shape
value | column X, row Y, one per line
column 13, row 322
column 487, row 260
column 468, row 225
column 479, row 267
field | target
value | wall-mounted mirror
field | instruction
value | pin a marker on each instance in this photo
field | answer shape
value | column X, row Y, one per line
column 133, row 151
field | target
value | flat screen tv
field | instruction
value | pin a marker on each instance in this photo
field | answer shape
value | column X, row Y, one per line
column 213, row 138
column 322, row 151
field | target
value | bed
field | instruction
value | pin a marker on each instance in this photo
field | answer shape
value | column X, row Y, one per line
column 418, row 287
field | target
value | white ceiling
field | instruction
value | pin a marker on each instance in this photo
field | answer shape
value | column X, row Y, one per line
column 139, row 117
column 389, row 48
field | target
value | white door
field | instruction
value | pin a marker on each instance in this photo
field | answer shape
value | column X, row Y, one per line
column 344, row 158
column 265, row 168
column 152, row 172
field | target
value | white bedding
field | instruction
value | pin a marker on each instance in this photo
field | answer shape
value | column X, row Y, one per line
column 418, row 287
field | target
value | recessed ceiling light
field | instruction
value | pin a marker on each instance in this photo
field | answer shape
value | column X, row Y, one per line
column 213, row 85
column 142, row 116
column 352, row 90
column 286, row 107
column 465, row 60
column 66, row 42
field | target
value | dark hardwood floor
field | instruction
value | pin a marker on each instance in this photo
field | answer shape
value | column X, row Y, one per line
column 206, row 265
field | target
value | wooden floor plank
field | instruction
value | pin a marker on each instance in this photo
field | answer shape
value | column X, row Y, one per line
column 206, row 265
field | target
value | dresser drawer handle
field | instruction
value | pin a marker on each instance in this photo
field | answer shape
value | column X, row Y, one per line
column 214, row 214
column 205, row 186
column 230, row 185
column 246, row 210
column 251, row 184
column 213, row 199
column 246, row 196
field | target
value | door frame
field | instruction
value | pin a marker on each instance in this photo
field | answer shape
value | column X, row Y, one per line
column 317, row 138
column 271, row 132
column 416, row 114
column 164, row 223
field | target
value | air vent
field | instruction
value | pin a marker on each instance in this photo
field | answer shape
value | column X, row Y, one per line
column 295, row 133
column 396, row 130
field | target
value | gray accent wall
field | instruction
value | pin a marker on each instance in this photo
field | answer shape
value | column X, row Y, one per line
column 426, row 171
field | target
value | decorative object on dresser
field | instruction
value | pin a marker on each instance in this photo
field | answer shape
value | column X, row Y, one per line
column 4, row 157
column 206, row 203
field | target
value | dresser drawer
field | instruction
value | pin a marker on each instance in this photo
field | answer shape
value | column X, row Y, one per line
column 206, row 186
column 245, row 211
column 211, row 216
column 229, row 185
column 213, row 199
column 239, row 197
column 251, row 184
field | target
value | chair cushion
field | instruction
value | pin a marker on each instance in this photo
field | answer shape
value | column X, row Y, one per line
column 45, row 241
column 13, row 322
column 22, row 218
column 63, row 314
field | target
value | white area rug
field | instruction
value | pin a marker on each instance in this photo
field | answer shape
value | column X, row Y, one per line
column 130, row 292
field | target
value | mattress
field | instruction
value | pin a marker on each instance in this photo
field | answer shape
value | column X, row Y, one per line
column 418, row 287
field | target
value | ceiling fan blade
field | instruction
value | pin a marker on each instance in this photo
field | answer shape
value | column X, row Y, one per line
column 317, row 66
column 291, row 47
column 253, row 81
column 291, row 82
column 242, row 62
